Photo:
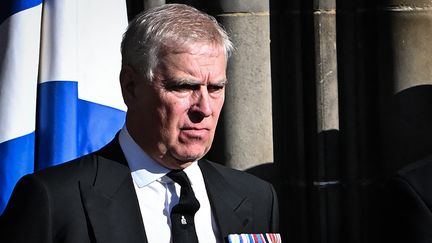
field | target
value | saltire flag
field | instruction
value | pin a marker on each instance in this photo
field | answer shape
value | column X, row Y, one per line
column 60, row 96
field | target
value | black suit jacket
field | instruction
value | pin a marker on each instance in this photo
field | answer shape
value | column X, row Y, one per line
column 409, row 204
column 92, row 199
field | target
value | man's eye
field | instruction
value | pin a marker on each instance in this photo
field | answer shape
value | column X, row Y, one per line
column 214, row 88
column 183, row 87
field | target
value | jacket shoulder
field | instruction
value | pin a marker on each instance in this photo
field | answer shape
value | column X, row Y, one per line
column 234, row 175
column 83, row 168
column 408, row 203
column 86, row 168
column 240, row 181
column 418, row 175
column 233, row 185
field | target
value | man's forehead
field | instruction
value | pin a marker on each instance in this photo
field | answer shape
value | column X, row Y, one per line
column 196, row 48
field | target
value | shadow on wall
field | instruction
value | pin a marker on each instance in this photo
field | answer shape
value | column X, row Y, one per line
column 406, row 138
column 266, row 171
column 408, row 127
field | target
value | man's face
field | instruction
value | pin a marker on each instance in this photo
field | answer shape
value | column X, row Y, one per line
column 174, row 118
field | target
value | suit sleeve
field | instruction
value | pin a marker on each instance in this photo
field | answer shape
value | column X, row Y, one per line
column 408, row 218
column 27, row 215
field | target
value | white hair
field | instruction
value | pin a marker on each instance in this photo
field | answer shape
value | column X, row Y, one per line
column 169, row 28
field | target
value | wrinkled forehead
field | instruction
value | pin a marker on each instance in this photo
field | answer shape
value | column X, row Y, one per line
column 210, row 49
column 196, row 60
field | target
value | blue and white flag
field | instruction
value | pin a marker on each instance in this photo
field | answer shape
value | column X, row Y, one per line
column 60, row 96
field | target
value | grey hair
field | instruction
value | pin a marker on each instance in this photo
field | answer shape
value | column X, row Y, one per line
column 169, row 28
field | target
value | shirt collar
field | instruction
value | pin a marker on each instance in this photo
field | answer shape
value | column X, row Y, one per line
column 144, row 169
column 193, row 172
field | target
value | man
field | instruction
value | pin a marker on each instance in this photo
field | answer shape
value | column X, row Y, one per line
column 408, row 217
column 173, row 83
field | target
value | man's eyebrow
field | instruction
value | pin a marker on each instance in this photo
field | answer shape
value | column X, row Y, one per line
column 175, row 81
column 181, row 81
column 222, row 82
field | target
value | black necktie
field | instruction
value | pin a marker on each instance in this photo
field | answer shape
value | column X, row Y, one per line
column 182, row 214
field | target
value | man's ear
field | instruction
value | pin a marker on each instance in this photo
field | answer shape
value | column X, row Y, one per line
column 128, row 83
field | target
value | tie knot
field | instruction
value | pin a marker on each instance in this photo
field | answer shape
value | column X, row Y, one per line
column 180, row 177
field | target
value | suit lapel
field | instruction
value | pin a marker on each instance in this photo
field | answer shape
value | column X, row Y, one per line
column 112, row 207
column 110, row 202
column 231, row 209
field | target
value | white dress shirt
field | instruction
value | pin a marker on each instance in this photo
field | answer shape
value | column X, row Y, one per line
column 157, row 194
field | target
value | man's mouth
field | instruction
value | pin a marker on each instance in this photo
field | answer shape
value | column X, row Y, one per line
column 195, row 132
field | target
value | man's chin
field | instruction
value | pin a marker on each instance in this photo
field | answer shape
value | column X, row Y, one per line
column 184, row 158
column 187, row 158
column 179, row 163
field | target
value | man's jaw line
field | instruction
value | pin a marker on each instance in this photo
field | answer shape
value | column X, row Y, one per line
column 173, row 162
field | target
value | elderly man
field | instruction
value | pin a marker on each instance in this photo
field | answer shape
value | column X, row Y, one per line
column 150, row 184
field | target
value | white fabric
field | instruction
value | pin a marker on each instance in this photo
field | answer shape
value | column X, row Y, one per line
column 205, row 224
column 157, row 194
column 19, row 42
column 79, row 45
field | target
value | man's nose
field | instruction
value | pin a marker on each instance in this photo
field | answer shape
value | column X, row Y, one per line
column 202, row 102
